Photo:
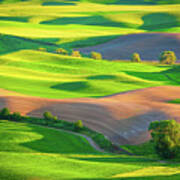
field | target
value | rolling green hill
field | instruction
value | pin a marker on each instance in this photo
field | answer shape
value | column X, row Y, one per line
column 151, row 2
column 30, row 152
column 55, row 76
column 28, row 25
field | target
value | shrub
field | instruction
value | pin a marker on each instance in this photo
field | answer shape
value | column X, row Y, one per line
column 76, row 54
column 5, row 113
column 78, row 125
column 166, row 138
column 102, row 141
column 61, row 51
column 135, row 58
column 16, row 116
column 167, row 57
column 96, row 55
column 49, row 118
column 42, row 49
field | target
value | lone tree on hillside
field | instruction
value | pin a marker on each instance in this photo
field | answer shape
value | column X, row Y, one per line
column 135, row 57
column 42, row 49
column 78, row 125
column 61, row 51
column 5, row 113
column 49, row 118
column 96, row 55
column 76, row 54
column 166, row 138
column 167, row 57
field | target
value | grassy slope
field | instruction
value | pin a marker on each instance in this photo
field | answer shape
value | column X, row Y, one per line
column 31, row 152
column 85, row 21
column 56, row 76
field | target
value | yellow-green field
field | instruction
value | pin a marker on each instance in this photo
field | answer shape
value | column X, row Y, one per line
column 29, row 152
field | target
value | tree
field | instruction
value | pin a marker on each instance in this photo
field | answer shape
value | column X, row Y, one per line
column 167, row 57
column 61, row 51
column 78, row 125
column 135, row 57
column 166, row 138
column 96, row 55
column 76, row 54
column 49, row 118
column 5, row 113
column 16, row 116
column 42, row 49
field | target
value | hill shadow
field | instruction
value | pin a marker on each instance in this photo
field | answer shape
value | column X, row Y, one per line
column 55, row 3
column 51, row 144
column 136, row 2
column 159, row 21
column 14, row 18
column 72, row 86
column 88, row 20
column 154, row 76
column 91, row 41
column 155, row 177
column 102, row 77
column 15, row 43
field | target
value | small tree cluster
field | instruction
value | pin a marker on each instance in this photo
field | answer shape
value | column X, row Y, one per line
column 167, row 57
column 62, row 51
column 42, row 49
column 49, row 118
column 78, row 125
column 5, row 114
column 76, row 54
column 96, row 55
column 166, row 138
column 136, row 58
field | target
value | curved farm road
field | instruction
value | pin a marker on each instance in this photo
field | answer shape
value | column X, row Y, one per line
column 123, row 118
column 91, row 142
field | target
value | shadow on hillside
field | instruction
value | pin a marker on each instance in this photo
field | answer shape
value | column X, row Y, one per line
column 89, row 41
column 72, row 86
column 102, row 77
column 159, row 21
column 126, row 2
column 51, row 142
column 154, row 76
column 49, row 3
column 137, row 2
column 14, row 43
column 89, row 20
column 14, row 18
column 156, row 177
column 127, row 159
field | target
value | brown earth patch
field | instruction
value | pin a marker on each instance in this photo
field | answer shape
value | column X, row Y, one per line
column 123, row 118
column 148, row 45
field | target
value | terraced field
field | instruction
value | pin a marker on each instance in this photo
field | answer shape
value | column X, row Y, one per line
column 32, row 152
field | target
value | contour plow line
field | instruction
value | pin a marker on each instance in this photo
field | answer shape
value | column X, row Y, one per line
column 123, row 118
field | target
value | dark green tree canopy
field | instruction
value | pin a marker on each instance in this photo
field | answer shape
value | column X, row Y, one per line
column 166, row 137
column 168, row 57
column 135, row 58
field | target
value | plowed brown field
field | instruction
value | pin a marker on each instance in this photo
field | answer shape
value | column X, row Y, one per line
column 123, row 118
column 148, row 45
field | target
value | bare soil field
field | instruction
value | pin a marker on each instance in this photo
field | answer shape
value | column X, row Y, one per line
column 148, row 45
column 123, row 118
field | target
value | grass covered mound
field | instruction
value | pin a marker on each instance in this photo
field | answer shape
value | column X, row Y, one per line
column 56, row 76
column 136, row 2
column 30, row 139
column 33, row 152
